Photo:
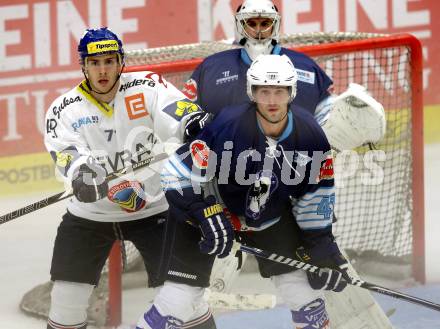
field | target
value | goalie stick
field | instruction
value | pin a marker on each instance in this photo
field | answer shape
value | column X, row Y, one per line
column 68, row 193
column 355, row 282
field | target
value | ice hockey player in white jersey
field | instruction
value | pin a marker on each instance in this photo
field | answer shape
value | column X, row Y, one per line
column 109, row 121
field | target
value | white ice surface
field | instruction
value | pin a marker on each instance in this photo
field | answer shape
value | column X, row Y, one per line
column 26, row 245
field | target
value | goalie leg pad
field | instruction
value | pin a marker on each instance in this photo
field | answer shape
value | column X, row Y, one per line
column 225, row 271
column 69, row 302
column 294, row 289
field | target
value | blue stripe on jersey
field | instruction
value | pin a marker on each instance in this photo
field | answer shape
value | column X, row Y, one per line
column 179, row 169
column 289, row 129
column 316, row 228
column 276, row 50
column 245, row 57
column 322, row 190
column 170, row 181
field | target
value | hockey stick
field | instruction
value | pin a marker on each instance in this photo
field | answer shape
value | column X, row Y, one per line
column 355, row 282
column 68, row 193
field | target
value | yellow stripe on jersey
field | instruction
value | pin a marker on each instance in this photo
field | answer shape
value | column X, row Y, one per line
column 84, row 89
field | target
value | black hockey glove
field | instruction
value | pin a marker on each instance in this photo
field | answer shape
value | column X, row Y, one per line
column 195, row 124
column 333, row 274
column 217, row 230
column 89, row 183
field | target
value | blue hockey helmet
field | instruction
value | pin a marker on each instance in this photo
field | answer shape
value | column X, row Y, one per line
column 100, row 42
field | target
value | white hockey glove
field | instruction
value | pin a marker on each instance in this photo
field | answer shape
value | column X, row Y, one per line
column 355, row 119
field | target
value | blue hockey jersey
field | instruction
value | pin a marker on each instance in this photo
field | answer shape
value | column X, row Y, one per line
column 220, row 80
column 253, row 176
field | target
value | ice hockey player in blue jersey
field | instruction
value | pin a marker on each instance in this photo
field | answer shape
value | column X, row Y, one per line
column 220, row 81
column 257, row 164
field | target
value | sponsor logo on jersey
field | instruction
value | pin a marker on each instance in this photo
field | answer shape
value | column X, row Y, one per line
column 63, row 159
column 102, row 46
column 226, row 78
column 190, row 90
column 326, row 170
column 234, row 219
column 51, row 125
column 129, row 195
column 135, row 105
column 56, row 110
column 159, row 79
column 85, row 121
column 184, row 108
column 179, row 109
column 306, row 76
column 199, row 153
column 136, row 82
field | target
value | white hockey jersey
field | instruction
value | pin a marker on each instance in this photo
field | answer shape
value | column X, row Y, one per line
column 146, row 115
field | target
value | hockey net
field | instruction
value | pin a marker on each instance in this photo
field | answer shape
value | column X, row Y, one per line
column 380, row 201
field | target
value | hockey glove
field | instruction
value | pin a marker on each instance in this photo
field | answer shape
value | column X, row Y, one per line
column 333, row 274
column 217, row 230
column 195, row 124
column 89, row 183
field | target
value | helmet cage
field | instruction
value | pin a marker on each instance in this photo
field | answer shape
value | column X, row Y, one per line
column 257, row 9
column 242, row 23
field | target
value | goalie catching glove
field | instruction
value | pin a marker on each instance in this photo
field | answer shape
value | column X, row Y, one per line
column 217, row 230
column 355, row 119
column 333, row 273
column 89, row 184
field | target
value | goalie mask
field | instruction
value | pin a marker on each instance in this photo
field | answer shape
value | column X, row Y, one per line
column 272, row 70
column 255, row 40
